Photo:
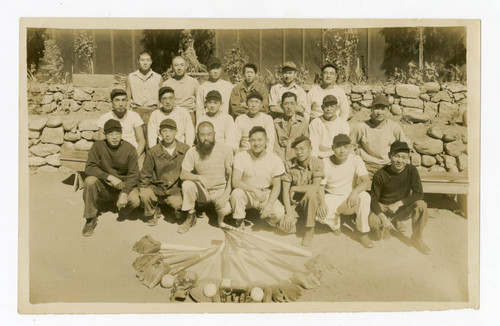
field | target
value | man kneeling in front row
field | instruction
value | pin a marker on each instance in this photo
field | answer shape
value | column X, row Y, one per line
column 397, row 196
column 112, row 173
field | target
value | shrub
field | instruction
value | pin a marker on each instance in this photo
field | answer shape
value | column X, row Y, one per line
column 84, row 47
column 234, row 60
column 340, row 47
column 52, row 63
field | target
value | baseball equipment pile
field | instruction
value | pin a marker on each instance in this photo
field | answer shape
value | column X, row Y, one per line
column 245, row 267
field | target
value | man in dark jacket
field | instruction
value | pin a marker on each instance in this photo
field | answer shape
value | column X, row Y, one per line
column 112, row 173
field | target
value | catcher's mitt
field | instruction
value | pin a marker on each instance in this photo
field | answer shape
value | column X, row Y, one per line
column 152, row 271
column 147, row 245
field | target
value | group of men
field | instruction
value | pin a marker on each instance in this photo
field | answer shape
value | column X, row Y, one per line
column 215, row 143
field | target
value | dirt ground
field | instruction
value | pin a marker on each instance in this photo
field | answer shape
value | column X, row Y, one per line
column 67, row 267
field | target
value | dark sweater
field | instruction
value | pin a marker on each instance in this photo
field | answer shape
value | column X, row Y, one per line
column 120, row 162
column 389, row 187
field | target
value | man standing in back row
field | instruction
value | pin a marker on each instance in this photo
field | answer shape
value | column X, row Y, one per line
column 142, row 85
column 248, row 85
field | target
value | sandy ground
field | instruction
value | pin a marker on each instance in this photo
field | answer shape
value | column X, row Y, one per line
column 66, row 267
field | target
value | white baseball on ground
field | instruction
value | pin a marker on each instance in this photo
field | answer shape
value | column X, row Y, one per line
column 257, row 294
column 209, row 290
column 167, row 281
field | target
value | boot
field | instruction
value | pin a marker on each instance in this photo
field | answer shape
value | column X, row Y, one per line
column 420, row 245
column 188, row 223
column 365, row 240
column 154, row 219
column 308, row 237
column 88, row 228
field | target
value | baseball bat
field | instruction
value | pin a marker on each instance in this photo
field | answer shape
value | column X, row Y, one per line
column 194, row 260
column 236, row 259
column 296, row 250
column 207, row 271
column 170, row 246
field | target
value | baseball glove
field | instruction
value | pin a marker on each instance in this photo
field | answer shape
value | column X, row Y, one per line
column 147, row 245
column 152, row 271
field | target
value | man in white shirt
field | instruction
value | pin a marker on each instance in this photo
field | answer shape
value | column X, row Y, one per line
column 214, row 82
column 142, row 85
column 323, row 129
column 257, row 182
column 223, row 123
column 254, row 117
column 345, row 191
column 185, row 87
column 130, row 121
column 327, row 87
column 167, row 110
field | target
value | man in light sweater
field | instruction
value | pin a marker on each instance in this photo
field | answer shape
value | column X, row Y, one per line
column 214, row 82
column 184, row 86
column 397, row 196
column 254, row 117
column 327, row 87
column 142, row 85
column 375, row 136
column 112, row 175
column 322, row 130
column 168, row 110
column 223, row 123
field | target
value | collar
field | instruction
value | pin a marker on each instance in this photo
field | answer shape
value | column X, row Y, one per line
column 143, row 77
column 293, row 85
column 120, row 119
column 295, row 163
column 178, row 150
column 248, row 88
column 380, row 125
column 294, row 119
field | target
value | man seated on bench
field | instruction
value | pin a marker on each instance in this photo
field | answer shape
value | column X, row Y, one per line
column 112, row 173
column 160, row 176
column 397, row 196
column 130, row 121
column 345, row 190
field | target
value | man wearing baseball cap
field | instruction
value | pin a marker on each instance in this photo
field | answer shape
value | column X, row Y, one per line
column 303, row 196
column 160, row 177
column 168, row 110
column 225, row 130
column 112, row 175
column 375, row 136
column 214, row 82
column 327, row 87
column 346, row 188
column 253, row 118
column 397, row 196
column 328, row 125
column 130, row 121
column 288, row 84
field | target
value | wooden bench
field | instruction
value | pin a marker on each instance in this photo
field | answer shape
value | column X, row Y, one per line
column 447, row 183
column 75, row 160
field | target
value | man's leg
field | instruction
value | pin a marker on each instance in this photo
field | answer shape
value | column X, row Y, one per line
column 174, row 201
column 93, row 190
column 376, row 224
column 362, row 211
column 309, row 205
column 417, row 212
column 149, row 202
column 221, row 210
column 190, row 193
column 240, row 201
column 333, row 217
column 276, row 217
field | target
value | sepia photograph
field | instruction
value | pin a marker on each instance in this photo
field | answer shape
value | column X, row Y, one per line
column 248, row 165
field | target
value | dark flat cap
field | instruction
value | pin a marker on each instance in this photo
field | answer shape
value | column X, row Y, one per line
column 213, row 62
column 380, row 100
column 290, row 64
column 254, row 94
column 341, row 139
column 117, row 92
column 112, row 125
column 299, row 139
column 330, row 99
column 215, row 95
column 399, row 146
column 165, row 89
column 168, row 123
column 328, row 65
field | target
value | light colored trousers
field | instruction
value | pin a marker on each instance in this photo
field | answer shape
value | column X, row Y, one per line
column 337, row 205
column 149, row 201
column 194, row 192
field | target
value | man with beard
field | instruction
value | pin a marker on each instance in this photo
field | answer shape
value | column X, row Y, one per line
column 288, row 84
column 185, row 86
column 375, row 136
column 112, row 174
column 247, row 86
column 303, row 194
column 130, row 121
column 327, row 87
column 397, row 196
column 288, row 127
column 323, row 129
column 257, row 182
column 168, row 110
column 142, row 85
column 225, row 131
column 254, row 117
column 206, row 175
column 346, row 184
column 160, row 176
column 214, row 83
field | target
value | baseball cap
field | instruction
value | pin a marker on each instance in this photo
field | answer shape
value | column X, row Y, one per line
column 213, row 94
column 165, row 89
column 399, row 146
column 168, row 123
column 380, row 100
column 341, row 139
column 328, row 65
column 332, row 99
column 254, row 94
column 117, row 92
column 213, row 62
column 112, row 125
column 299, row 139
column 289, row 64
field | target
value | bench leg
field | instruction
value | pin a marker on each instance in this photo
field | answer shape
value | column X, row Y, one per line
column 78, row 184
column 462, row 204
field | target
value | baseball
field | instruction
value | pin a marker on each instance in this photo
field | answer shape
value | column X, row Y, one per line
column 209, row 290
column 167, row 281
column 257, row 294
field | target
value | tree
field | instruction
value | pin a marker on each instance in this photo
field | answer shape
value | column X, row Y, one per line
column 84, row 47
column 52, row 63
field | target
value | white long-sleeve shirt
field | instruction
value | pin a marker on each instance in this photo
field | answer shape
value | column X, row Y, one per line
column 321, row 133
column 244, row 123
column 185, row 129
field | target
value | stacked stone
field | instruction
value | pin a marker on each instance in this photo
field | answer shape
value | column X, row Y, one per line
column 416, row 104
column 441, row 151
column 51, row 137
column 63, row 99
